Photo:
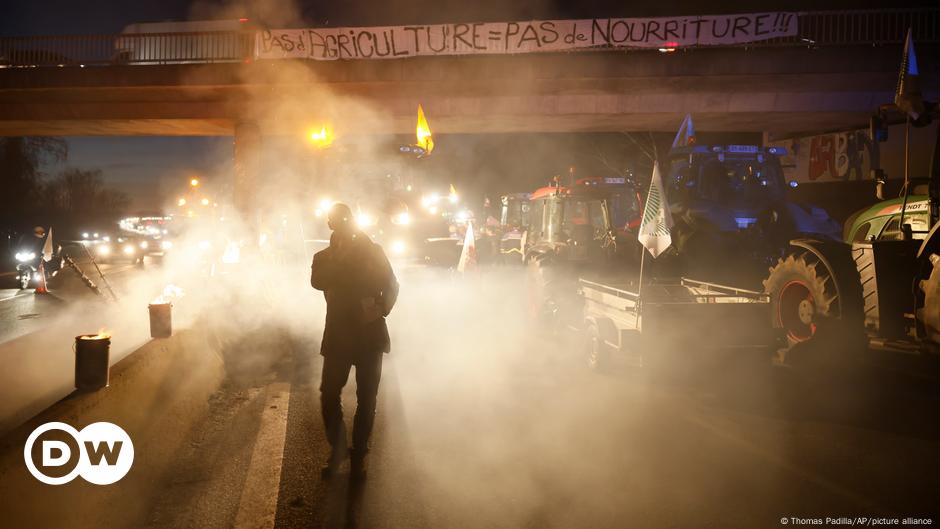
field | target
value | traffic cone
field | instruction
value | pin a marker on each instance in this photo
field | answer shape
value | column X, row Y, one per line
column 41, row 289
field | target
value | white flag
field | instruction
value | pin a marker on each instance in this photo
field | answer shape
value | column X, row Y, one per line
column 47, row 247
column 468, row 256
column 655, row 227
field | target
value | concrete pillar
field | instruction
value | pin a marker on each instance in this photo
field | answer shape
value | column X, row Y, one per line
column 247, row 171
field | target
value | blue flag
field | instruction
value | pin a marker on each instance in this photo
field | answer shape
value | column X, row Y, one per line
column 907, row 96
column 686, row 135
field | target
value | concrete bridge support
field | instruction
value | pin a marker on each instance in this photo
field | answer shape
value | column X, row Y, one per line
column 247, row 152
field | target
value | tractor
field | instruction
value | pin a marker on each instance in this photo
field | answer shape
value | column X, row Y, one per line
column 732, row 215
column 879, row 286
column 571, row 233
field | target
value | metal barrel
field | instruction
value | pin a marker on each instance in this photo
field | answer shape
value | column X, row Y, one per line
column 161, row 320
column 92, row 361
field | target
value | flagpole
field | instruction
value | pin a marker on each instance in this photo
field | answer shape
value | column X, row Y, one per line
column 639, row 290
column 907, row 163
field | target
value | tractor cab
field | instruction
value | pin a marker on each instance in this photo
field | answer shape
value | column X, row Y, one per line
column 730, row 186
column 573, row 222
column 513, row 222
column 514, row 211
column 622, row 197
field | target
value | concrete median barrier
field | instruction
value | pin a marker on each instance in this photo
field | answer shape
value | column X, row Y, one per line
column 157, row 394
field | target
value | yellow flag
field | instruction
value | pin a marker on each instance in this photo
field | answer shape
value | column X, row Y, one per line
column 423, row 132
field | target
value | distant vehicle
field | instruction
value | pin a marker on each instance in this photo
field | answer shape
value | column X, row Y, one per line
column 115, row 248
column 513, row 221
column 153, row 231
column 182, row 42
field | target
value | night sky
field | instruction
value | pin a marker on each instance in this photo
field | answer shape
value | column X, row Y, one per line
column 149, row 168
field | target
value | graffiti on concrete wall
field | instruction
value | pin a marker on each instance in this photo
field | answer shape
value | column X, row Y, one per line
column 840, row 156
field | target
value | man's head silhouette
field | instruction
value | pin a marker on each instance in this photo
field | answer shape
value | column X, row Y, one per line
column 340, row 218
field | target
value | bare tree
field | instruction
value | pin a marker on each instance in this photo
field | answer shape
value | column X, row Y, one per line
column 21, row 161
column 79, row 196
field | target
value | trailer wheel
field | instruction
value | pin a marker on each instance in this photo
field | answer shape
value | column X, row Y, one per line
column 812, row 302
column 597, row 352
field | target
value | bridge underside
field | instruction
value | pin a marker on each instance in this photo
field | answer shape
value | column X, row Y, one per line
column 783, row 122
column 780, row 91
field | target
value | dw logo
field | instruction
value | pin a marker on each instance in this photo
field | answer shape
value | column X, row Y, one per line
column 101, row 453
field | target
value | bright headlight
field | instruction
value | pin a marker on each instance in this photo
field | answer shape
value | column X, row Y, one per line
column 402, row 219
column 25, row 256
column 144, row 245
column 398, row 247
column 104, row 249
column 204, row 245
column 129, row 249
column 364, row 220
column 166, row 245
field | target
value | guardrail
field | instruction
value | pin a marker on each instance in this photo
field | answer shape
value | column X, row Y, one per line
column 867, row 27
column 873, row 27
column 127, row 48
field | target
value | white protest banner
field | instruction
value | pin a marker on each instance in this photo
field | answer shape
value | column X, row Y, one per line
column 396, row 42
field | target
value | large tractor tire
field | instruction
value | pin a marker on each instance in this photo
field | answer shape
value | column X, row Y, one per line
column 928, row 315
column 817, row 303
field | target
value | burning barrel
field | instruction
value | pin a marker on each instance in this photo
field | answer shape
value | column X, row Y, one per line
column 92, row 359
column 161, row 319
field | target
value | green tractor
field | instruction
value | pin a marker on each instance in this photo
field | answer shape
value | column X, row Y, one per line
column 879, row 286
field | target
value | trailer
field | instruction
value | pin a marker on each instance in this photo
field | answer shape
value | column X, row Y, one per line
column 682, row 321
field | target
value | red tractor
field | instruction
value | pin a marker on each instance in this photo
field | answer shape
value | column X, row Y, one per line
column 573, row 232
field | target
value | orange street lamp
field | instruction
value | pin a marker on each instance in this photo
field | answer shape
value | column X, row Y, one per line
column 322, row 138
column 194, row 182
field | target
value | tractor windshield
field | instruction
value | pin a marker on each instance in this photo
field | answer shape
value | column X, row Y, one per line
column 741, row 181
column 624, row 207
column 515, row 213
column 580, row 219
column 735, row 181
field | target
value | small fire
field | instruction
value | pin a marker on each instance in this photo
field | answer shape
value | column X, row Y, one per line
column 170, row 292
column 102, row 335
column 423, row 132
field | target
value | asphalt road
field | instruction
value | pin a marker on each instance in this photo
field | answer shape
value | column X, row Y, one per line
column 481, row 424
column 23, row 312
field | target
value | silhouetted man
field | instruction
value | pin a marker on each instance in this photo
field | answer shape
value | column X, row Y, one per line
column 360, row 289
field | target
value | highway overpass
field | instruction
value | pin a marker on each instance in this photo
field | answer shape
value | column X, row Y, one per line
column 832, row 75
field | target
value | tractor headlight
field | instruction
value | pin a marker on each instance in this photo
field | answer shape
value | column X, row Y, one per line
column 25, row 256
column 364, row 220
column 402, row 219
column 166, row 245
column 104, row 249
column 144, row 245
column 398, row 247
column 129, row 249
